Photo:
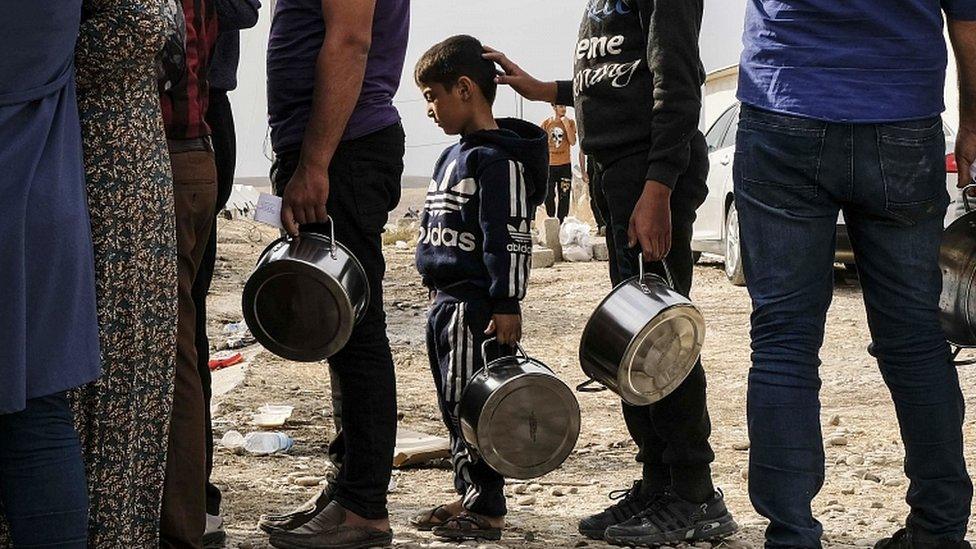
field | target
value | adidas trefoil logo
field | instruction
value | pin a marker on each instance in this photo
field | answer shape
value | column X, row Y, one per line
column 443, row 197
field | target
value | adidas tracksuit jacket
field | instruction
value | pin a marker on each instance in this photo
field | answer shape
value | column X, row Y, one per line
column 475, row 251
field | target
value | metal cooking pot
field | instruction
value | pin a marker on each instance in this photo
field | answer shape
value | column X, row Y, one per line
column 957, row 259
column 304, row 296
column 519, row 417
column 643, row 339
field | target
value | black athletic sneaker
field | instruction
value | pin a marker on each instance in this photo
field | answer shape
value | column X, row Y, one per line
column 669, row 519
column 903, row 540
column 629, row 503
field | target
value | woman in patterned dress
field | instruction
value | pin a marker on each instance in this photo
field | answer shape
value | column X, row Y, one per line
column 123, row 418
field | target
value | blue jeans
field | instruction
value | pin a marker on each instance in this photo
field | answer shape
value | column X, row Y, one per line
column 43, row 491
column 792, row 176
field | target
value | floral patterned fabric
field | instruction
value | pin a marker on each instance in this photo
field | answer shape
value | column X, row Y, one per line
column 123, row 418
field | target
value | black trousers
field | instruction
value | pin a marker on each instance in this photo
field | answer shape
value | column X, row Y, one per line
column 221, row 122
column 671, row 435
column 455, row 333
column 594, row 205
column 364, row 186
column 560, row 189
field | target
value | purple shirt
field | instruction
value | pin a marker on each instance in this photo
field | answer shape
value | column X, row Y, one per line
column 297, row 33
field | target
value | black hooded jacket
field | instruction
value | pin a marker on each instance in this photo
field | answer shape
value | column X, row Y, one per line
column 474, row 235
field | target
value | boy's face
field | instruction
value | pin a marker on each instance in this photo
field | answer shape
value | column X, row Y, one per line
column 560, row 110
column 447, row 107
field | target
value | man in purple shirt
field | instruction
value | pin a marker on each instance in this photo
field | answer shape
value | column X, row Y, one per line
column 841, row 105
column 333, row 69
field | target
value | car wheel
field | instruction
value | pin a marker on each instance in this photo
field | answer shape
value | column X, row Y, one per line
column 733, row 252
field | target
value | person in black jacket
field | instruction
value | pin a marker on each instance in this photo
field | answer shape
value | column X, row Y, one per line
column 474, row 253
column 637, row 93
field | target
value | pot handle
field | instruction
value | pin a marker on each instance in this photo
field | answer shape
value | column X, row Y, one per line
column 965, row 196
column 587, row 387
column 667, row 272
column 484, row 351
column 964, row 362
column 332, row 238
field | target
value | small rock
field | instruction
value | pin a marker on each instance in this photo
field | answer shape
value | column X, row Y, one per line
column 529, row 537
column 558, row 492
column 847, row 491
column 872, row 477
column 740, row 446
column 833, row 502
column 307, row 481
column 535, row 488
column 520, row 489
column 402, row 245
column 745, row 474
column 573, row 490
column 527, row 500
column 855, row 460
column 895, row 482
column 837, row 441
column 877, row 505
column 838, row 508
column 834, row 420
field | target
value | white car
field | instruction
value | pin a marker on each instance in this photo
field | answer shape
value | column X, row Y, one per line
column 717, row 226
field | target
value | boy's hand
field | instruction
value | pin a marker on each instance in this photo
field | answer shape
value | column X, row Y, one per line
column 522, row 82
column 507, row 329
column 650, row 224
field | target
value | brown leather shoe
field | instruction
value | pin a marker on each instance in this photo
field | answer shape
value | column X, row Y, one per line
column 302, row 514
column 327, row 531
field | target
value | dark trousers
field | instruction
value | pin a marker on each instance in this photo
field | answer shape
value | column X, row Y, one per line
column 560, row 189
column 594, row 202
column 792, row 177
column 184, row 503
column 455, row 333
column 43, row 491
column 671, row 435
column 221, row 122
column 364, row 186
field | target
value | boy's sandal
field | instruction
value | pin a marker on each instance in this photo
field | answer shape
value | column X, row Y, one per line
column 468, row 526
column 432, row 518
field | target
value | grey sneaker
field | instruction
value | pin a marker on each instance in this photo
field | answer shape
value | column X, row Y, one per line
column 669, row 519
column 214, row 535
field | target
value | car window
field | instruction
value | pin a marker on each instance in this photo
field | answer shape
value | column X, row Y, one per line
column 717, row 131
column 729, row 139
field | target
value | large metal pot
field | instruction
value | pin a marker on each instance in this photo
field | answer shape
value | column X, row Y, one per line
column 304, row 296
column 519, row 417
column 957, row 259
column 643, row 339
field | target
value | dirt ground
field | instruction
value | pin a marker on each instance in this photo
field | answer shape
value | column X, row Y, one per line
column 863, row 498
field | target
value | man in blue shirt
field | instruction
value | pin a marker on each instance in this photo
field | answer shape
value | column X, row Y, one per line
column 841, row 105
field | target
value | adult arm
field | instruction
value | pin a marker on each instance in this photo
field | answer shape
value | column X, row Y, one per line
column 117, row 36
column 962, row 33
column 339, row 73
column 235, row 15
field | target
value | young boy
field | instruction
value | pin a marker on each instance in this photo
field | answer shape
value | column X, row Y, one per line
column 474, row 254
column 561, row 132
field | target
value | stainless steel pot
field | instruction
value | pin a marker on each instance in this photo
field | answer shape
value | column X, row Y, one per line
column 304, row 296
column 957, row 259
column 643, row 339
column 519, row 417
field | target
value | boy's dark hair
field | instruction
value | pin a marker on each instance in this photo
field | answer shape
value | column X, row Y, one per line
column 453, row 58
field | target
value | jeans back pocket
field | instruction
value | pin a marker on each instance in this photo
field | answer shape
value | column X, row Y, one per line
column 912, row 162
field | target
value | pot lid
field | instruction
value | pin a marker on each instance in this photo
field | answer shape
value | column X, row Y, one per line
column 299, row 313
column 529, row 426
column 661, row 355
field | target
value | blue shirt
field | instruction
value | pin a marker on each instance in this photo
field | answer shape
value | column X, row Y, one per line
column 297, row 33
column 859, row 61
